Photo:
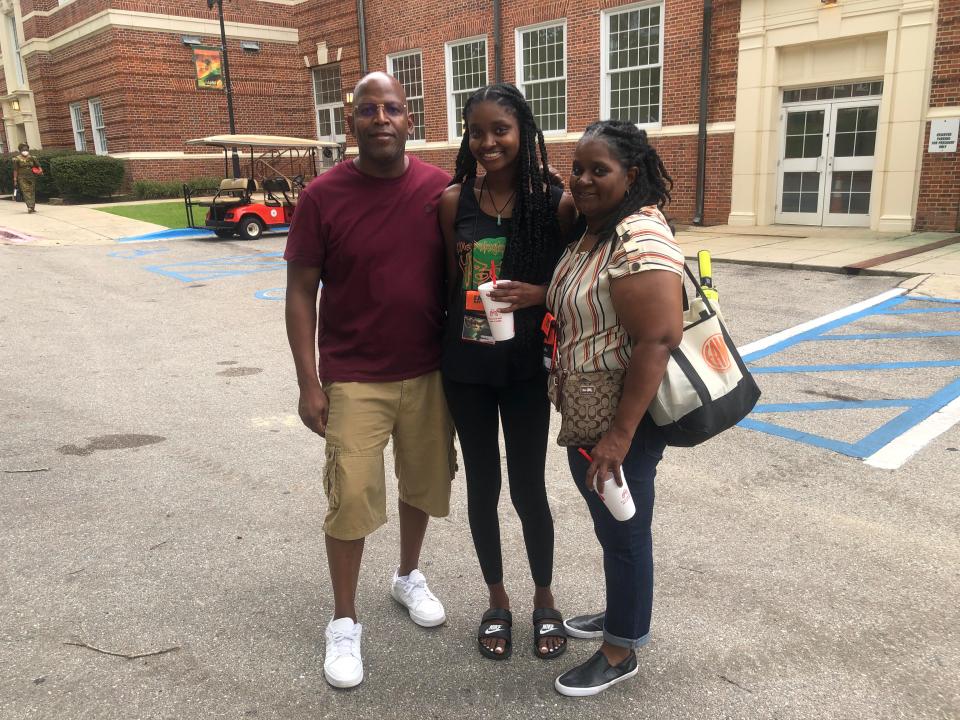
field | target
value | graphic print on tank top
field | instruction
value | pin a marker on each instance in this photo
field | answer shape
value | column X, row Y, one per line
column 475, row 259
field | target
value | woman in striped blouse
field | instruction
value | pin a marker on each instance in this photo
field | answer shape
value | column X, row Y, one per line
column 617, row 300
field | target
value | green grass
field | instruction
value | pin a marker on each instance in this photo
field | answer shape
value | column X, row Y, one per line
column 169, row 214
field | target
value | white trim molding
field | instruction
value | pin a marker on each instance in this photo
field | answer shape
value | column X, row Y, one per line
column 951, row 111
column 65, row 3
column 720, row 128
column 165, row 155
column 153, row 22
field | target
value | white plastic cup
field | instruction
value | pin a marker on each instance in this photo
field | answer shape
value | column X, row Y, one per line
column 501, row 323
column 617, row 498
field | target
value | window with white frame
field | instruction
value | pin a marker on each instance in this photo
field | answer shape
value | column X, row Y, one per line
column 15, row 44
column 76, row 120
column 542, row 70
column 328, row 97
column 631, row 61
column 466, row 73
column 98, row 127
column 408, row 69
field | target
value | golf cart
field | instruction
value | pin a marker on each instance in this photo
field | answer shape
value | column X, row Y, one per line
column 275, row 170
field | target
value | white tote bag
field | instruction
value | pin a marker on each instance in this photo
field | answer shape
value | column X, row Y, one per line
column 707, row 388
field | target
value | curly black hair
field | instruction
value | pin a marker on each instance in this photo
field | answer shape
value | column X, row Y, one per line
column 532, row 248
column 630, row 147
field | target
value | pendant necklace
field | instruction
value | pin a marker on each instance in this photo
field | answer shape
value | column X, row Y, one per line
column 505, row 205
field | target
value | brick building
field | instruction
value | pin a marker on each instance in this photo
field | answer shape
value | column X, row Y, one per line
column 818, row 112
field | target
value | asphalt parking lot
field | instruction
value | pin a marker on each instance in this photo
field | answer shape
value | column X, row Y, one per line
column 159, row 494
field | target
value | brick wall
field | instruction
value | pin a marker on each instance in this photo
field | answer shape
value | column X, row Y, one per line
column 245, row 11
column 427, row 26
column 938, row 207
column 335, row 23
column 179, row 170
column 153, row 103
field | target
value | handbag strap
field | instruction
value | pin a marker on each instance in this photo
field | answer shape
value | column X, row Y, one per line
column 698, row 289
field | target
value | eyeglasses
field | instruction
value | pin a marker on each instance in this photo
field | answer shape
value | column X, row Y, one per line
column 370, row 110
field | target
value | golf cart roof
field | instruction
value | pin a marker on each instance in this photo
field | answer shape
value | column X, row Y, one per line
column 271, row 141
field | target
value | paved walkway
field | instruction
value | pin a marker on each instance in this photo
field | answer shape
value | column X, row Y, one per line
column 837, row 249
column 850, row 250
column 65, row 225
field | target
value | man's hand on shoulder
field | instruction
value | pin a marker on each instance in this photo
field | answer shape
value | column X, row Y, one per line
column 314, row 407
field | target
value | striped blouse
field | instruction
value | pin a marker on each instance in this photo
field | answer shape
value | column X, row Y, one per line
column 589, row 334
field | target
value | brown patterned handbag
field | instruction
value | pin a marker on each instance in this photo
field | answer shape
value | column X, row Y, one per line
column 587, row 402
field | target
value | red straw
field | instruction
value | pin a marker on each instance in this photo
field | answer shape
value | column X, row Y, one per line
column 585, row 454
column 493, row 272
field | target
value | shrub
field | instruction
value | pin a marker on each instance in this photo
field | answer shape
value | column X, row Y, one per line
column 46, row 185
column 157, row 189
column 87, row 176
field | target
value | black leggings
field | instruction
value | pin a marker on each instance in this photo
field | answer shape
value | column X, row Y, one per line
column 525, row 412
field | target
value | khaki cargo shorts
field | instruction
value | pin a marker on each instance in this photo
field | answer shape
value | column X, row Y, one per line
column 363, row 417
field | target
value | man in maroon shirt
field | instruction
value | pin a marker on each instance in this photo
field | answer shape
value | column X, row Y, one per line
column 368, row 230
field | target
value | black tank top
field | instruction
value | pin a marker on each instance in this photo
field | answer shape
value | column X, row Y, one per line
column 468, row 354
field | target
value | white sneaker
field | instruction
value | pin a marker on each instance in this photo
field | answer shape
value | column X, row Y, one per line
column 343, row 667
column 412, row 592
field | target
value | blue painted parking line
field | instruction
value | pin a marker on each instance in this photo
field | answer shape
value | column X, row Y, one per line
column 816, row 332
column 137, row 252
column 832, row 405
column 894, row 336
column 171, row 234
column 189, row 234
column 769, row 369
column 922, row 418
column 279, row 294
column 198, row 270
column 918, row 311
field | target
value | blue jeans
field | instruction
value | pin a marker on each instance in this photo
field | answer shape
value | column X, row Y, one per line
column 627, row 545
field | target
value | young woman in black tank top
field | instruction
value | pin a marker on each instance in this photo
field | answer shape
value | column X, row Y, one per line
column 513, row 217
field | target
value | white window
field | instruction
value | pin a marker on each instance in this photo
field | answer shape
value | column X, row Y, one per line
column 466, row 73
column 76, row 119
column 631, row 64
column 408, row 69
column 328, row 97
column 542, row 71
column 15, row 44
column 99, row 129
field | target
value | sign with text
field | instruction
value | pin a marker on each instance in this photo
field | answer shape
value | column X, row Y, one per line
column 943, row 135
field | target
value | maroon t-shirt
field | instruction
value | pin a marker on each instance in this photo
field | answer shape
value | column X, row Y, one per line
column 378, row 245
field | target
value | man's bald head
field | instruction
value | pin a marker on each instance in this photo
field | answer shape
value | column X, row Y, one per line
column 377, row 81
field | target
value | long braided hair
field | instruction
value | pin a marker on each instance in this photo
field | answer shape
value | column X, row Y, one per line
column 629, row 145
column 533, row 247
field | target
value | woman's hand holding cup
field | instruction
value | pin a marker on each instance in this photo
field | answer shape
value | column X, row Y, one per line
column 607, row 457
column 518, row 294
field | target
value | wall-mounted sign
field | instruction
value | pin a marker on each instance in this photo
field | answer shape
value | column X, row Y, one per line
column 943, row 135
column 209, row 62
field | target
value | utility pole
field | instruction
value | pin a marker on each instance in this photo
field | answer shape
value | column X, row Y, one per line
column 226, row 82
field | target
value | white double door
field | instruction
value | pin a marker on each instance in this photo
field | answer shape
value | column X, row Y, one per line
column 826, row 163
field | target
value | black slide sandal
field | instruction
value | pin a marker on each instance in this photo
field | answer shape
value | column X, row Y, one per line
column 496, row 623
column 548, row 622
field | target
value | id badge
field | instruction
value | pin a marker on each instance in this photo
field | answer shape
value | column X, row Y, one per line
column 549, row 329
column 475, row 326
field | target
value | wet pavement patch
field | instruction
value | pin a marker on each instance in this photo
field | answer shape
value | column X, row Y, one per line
column 240, row 371
column 111, row 442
